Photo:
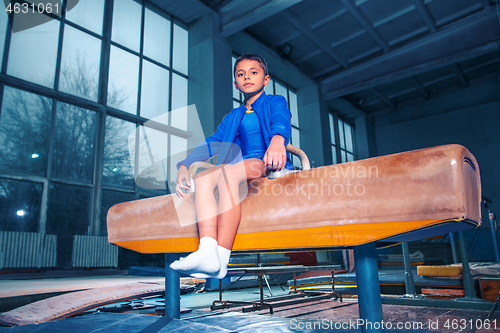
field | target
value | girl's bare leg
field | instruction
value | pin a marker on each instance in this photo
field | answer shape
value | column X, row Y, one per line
column 205, row 202
column 218, row 224
column 206, row 259
column 229, row 207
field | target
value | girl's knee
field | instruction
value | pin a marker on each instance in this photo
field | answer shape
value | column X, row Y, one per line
column 231, row 175
column 206, row 180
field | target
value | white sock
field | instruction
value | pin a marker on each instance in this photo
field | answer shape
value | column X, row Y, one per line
column 224, row 255
column 205, row 260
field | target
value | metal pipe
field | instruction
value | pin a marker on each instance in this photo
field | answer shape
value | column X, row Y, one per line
column 368, row 285
column 172, row 288
column 268, row 286
column 409, row 282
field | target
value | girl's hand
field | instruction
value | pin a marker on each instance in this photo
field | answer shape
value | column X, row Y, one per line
column 182, row 176
column 275, row 157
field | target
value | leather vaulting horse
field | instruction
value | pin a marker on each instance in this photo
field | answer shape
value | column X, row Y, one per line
column 387, row 199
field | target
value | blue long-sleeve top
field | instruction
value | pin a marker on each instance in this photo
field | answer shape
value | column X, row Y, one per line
column 274, row 118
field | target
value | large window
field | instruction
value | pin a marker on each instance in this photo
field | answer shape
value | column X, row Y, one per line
column 341, row 140
column 275, row 87
column 78, row 94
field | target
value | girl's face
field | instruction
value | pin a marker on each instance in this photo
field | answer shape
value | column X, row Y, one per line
column 250, row 77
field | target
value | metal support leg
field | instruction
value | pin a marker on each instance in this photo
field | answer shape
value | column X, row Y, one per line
column 261, row 286
column 453, row 248
column 172, row 288
column 220, row 290
column 369, row 299
column 493, row 226
column 409, row 282
column 466, row 276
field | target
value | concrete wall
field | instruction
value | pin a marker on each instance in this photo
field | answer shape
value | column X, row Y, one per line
column 210, row 75
column 364, row 138
column 314, row 127
column 470, row 117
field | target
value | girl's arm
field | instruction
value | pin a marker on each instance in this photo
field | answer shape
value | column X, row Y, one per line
column 280, row 122
column 279, row 137
column 275, row 156
column 203, row 151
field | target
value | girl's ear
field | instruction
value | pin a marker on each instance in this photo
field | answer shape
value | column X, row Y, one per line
column 266, row 80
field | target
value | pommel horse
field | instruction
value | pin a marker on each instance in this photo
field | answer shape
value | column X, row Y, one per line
column 363, row 204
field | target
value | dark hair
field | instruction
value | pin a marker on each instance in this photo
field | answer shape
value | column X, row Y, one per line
column 251, row 56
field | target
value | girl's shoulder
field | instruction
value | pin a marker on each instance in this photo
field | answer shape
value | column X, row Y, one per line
column 235, row 111
column 276, row 102
column 276, row 98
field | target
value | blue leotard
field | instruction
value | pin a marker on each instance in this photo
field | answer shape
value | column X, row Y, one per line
column 252, row 141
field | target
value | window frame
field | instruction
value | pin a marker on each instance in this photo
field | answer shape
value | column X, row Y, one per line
column 100, row 107
column 335, row 143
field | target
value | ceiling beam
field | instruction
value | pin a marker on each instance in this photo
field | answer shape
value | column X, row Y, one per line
column 461, row 76
column 346, row 109
column 327, row 70
column 394, row 16
column 306, row 30
column 440, row 79
column 307, row 56
column 363, row 21
column 221, row 5
column 202, row 5
column 285, row 39
column 478, row 34
column 348, row 38
column 483, row 64
column 420, row 87
column 230, row 26
column 328, row 18
column 425, row 14
column 282, row 69
column 384, row 98
column 314, row 26
column 458, row 15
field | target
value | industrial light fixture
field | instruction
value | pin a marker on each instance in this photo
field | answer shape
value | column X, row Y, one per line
column 285, row 50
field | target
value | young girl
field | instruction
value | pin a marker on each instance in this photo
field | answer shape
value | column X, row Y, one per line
column 261, row 128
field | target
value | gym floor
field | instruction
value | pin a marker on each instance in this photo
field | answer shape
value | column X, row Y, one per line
column 314, row 316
